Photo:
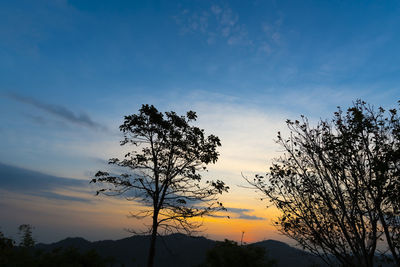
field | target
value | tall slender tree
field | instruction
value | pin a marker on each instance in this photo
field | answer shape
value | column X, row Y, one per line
column 25, row 232
column 165, row 174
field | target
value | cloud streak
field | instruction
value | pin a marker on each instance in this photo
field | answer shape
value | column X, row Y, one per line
column 23, row 181
column 58, row 111
column 237, row 213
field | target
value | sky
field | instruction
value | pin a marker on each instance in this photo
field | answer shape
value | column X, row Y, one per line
column 70, row 71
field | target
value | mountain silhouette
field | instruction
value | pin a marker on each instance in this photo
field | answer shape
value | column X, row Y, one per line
column 177, row 250
column 287, row 255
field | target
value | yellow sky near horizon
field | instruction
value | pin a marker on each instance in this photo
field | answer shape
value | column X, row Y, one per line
column 112, row 214
column 247, row 148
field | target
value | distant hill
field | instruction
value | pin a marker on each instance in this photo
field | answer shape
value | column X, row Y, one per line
column 177, row 250
column 287, row 255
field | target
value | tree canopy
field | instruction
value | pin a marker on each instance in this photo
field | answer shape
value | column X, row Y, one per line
column 338, row 185
column 229, row 254
column 164, row 174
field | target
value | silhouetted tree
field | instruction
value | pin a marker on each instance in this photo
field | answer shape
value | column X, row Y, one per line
column 27, row 255
column 6, row 250
column 25, row 232
column 164, row 176
column 230, row 254
column 338, row 184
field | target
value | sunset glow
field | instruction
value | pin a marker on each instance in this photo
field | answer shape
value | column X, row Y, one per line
column 71, row 70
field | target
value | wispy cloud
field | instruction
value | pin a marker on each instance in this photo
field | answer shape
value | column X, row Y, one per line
column 215, row 23
column 238, row 213
column 58, row 111
column 272, row 30
column 23, row 181
column 219, row 22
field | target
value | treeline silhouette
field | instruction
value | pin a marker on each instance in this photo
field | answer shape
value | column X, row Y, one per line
column 26, row 254
column 180, row 250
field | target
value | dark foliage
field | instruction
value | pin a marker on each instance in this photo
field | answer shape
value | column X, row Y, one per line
column 176, row 250
column 27, row 255
column 179, row 250
column 6, row 250
column 71, row 257
column 230, row 254
column 164, row 176
column 338, row 185
column 25, row 231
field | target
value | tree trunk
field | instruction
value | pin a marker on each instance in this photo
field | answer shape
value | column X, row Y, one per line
column 152, row 249
column 389, row 239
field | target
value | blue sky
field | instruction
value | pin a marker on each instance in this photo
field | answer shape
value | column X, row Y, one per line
column 70, row 70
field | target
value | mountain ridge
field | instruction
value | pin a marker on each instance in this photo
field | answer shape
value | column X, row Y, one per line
column 177, row 250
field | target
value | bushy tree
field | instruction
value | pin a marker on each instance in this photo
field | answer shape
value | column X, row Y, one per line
column 26, row 238
column 6, row 250
column 230, row 254
column 338, row 185
column 164, row 174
